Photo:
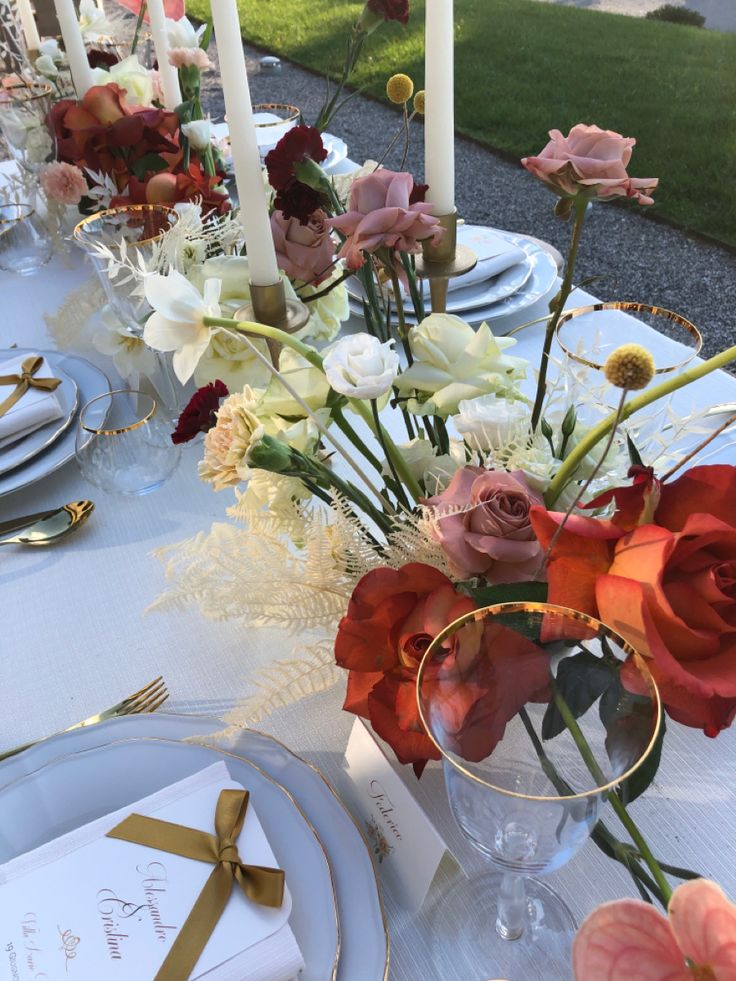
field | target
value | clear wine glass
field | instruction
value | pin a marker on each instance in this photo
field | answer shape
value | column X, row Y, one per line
column 24, row 111
column 538, row 713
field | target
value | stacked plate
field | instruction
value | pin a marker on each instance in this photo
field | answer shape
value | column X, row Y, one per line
column 38, row 454
column 337, row 149
column 69, row 780
column 513, row 273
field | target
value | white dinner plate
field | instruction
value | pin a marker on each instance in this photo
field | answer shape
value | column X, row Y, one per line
column 15, row 454
column 364, row 951
column 73, row 790
column 90, row 382
column 337, row 151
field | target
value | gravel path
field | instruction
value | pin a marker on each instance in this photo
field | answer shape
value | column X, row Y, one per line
column 635, row 258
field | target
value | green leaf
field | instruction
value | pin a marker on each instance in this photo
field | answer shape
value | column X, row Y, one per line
column 207, row 36
column 634, row 454
column 510, row 592
column 628, row 721
column 581, row 680
column 150, row 163
column 641, row 779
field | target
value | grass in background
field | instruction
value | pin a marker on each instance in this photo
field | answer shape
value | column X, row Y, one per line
column 523, row 67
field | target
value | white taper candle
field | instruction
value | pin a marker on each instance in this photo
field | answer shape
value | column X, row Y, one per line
column 246, row 157
column 76, row 52
column 167, row 73
column 439, row 119
column 28, row 23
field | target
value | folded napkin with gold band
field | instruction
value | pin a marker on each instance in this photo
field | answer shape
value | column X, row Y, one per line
column 150, row 892
column 27, row 397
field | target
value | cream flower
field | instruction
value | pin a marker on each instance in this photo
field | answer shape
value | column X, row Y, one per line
column 231, row 360
column 93, row 22
column 129, row 354
column 46, row 66
column 234, row 273
column 182, row 33
column 130, row 75
column 327, row 313
column 489, row 422
column 306, row 380
column 434, row 471
column 452, row 362
column 226, row 444
column 177, row 323
column 198, row 132
column 359, row 366
column 49, row 48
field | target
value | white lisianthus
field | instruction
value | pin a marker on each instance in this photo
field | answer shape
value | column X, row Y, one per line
column 307, row 381
column 49, row 48
column 452, row 362
column 182, row 34
column 489, row 422
column 434, row 471
column 46, row 66
column 129, row 353
column 361, row 367
column 231, row 360
column 130, row 75
column 198, row 132
column 177, row 323
column 327, row 313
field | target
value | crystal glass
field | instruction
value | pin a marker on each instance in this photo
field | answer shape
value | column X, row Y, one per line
column 129, row 450
column 273, row 120
column 23, row 113
column 538, row 712
column 588, row 335
column 25, row 244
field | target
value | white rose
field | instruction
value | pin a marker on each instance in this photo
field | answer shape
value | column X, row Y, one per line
column 360, row 366
column 452, row 362
column 422, row 461
column 198, row 132
column 47, row 66
column 130, row 75
column 49, row 48
column 489, row 422
column 181, row 33
column 231, row 360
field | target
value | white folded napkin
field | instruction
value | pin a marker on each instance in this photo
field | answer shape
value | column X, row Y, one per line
column 33, row 409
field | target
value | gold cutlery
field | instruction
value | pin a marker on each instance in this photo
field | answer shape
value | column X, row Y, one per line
column 48, row 526
column 148, row 699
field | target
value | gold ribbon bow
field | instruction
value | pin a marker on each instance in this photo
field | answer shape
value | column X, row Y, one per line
column 25, row 381
column 262, row 885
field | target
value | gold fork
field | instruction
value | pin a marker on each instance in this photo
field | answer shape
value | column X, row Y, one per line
column 148, row 699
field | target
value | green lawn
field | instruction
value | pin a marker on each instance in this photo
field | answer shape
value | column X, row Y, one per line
column 524, row 67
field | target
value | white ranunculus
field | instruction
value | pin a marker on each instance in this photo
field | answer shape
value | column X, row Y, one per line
column 232, row 360
column 182, row 34
column 198, row 132
column 130, row 75
column 307, row 381
column 361, row 367
column 177, row 322
column 489, row 422
column 49, row 48
column 452, row 362
column 46, row 66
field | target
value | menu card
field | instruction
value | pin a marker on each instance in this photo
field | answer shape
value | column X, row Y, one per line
column 93, row 908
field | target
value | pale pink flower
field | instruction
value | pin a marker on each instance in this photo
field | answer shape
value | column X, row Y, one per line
column 226, row 444
column 591, row 161
column 63, row 182
column 382, row 215
column 184, row 57
column 304, row 252
column 158, row 89
column 631, row 939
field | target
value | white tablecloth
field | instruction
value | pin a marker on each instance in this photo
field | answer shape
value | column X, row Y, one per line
column 74, row 638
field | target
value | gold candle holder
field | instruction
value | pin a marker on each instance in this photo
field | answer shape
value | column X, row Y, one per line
column 442, row 262
column 268, row 305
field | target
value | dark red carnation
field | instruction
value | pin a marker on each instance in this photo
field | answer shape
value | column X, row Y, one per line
column 418, row 193
column 299, row 144
column 199, row 416
column 98, row 58
column 299, row 201
column 390, row 9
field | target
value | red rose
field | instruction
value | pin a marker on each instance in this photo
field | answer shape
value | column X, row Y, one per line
column 199, row 414
column 390, row 9
column 391, row 620
column 668, row 586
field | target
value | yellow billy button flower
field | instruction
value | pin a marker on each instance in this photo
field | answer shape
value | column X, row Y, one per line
column 399, row 89
column 419, row 102
column 630, row 366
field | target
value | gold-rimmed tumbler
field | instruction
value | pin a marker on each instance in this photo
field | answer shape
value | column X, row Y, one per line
column 538, row 713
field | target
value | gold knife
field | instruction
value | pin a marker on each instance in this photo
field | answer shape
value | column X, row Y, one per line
column 16, row 524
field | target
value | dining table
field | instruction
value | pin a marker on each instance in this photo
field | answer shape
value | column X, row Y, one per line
column 77, row 634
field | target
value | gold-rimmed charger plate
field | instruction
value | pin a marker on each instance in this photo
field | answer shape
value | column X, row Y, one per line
column 102, row 779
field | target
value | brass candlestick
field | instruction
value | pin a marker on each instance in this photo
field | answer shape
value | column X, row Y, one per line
column 441, row 262
column 268, row 305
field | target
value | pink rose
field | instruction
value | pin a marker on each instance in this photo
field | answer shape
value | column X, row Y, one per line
column 63, row 182
column 592, row 161
column 492, row 535
column 304, row 252
column 380, row 215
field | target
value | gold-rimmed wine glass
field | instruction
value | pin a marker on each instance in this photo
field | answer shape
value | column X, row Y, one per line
column 24, row 111
column 538, row 713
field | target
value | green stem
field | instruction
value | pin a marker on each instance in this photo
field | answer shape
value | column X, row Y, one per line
column 138, row 25
column 344, row 426
column 392, row 451
column 398, row 301
column 581, row 203
column 273, row 333
column 596, row 434
column 399, row 488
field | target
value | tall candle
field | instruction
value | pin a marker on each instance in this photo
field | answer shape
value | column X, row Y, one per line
column 76, row 52
column 28, row 23
column 246, row 156
column 168, row 74
column 439, row 119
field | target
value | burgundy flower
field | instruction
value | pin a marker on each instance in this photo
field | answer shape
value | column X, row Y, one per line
column 199, row 414
column 299, row 201
column 418, row 193
column 98, row 58
column 301, row 143
column 390, row 9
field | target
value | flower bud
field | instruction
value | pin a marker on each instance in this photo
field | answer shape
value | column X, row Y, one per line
column 419, row 102
column 269, row 453
column 399, row 89
column 630, row 366
column 568, row 423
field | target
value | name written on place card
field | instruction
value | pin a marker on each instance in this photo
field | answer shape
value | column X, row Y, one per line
column 406, row 846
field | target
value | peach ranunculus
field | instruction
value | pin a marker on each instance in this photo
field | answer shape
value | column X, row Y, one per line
column 629, row 938
column 486, row 529
column 64, row 183
column 667, row 584
column 590, row 161
column 303, row 252
column 381, row 215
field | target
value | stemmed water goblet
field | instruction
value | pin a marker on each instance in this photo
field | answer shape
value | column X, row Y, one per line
column 538, row 713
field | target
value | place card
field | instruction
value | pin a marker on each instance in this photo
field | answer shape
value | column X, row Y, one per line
column 406, row 846
column 87, row 907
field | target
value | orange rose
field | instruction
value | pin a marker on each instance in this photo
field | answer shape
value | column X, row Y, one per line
column 668, row 586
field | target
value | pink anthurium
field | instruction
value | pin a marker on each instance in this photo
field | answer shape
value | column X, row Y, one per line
column 628, row 940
